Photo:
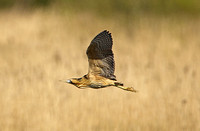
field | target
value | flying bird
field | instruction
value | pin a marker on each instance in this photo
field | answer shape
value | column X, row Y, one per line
column 101, row 65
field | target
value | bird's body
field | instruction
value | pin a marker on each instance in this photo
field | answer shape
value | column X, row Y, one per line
column 92, row 81
column 101, row 65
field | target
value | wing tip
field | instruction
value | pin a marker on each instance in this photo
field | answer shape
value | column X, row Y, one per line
column 109, row 34
column 107, row 31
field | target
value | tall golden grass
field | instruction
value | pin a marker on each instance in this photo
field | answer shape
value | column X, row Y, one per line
column 158, row 56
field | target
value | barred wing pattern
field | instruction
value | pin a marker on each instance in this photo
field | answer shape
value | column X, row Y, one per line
column 100, row 56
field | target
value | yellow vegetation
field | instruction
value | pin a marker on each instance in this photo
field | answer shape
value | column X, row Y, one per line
column 160, row 57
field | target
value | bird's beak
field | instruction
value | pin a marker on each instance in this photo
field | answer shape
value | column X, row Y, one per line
column 69, row 81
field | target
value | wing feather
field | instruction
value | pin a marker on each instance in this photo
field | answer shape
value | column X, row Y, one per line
column 100, row 56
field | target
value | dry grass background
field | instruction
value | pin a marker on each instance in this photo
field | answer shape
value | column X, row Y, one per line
column 158, row 56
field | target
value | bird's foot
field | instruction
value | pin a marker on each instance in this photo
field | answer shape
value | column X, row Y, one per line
column 128, row 88
column 131, row 89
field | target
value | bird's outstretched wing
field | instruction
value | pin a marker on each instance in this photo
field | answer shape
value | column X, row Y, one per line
column 100, row 56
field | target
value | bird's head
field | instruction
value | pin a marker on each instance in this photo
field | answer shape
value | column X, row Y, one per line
column 74, row 81
column 79, row 82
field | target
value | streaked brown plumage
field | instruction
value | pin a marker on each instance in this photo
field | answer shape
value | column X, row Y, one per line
column 101, row 65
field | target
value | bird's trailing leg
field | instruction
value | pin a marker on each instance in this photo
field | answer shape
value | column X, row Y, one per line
column 121, row 85
column 127, row 88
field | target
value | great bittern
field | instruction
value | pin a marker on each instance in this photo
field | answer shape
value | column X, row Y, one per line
column 101, row 65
